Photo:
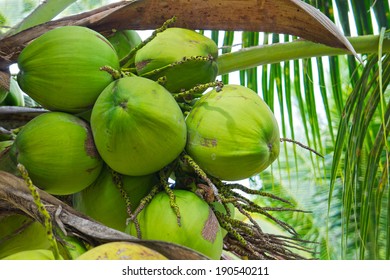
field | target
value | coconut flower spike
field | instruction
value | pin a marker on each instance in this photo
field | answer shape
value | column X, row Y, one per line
column 42, row 209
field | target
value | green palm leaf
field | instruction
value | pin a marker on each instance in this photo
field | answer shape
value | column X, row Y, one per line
column 357, row 209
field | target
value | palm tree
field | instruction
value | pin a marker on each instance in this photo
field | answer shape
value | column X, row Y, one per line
column 331, row 101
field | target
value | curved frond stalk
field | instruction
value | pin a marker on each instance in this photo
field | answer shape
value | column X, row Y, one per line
column 275, row 53
column 228, row 40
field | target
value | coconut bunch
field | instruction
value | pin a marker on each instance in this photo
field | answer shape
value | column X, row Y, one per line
column 140, row 137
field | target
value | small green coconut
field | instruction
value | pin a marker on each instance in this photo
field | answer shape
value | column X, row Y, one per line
column 121, row 251
column 21, row 233
column 38, row 254
column 103, row 201
column 61, row 69
column 124, row 41
column 199, row 229
column 137, row 126
column 232, row 133
column 194, row 57
column 59, row 153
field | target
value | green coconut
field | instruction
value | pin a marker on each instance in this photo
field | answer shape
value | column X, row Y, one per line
column 193, row 54
column 103, row 201
column 124, row 41
column 38, row 254
column 199, row 229
column 120, row 250
column 59, row 153
column 137, row 126
column 232, row 133
column 20, row 233
column 61, row 69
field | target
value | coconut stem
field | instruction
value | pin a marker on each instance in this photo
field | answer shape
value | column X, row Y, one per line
column 201, row 174
column 301, row 145
column 247, row 238
column 113, row 72
column 189, row 95
column 42, row 210
column 162, row 80
column 230, row 225
column 118, row 181
column 129, row 72
column 127, row 60
column 143, row 203
column 186, row 108
column 172, row 197
column 185, row 60
column 245, row 204
column 254, row 192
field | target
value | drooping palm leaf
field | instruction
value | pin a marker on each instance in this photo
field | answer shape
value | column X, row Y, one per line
column 334, row 93
column 364, row 164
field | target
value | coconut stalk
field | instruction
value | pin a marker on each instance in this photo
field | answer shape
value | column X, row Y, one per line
column 278, row 52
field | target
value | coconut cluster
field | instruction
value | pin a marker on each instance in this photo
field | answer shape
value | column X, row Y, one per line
column 132, row 135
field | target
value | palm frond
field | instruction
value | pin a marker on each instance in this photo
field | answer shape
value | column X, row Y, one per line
column 310, row 107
